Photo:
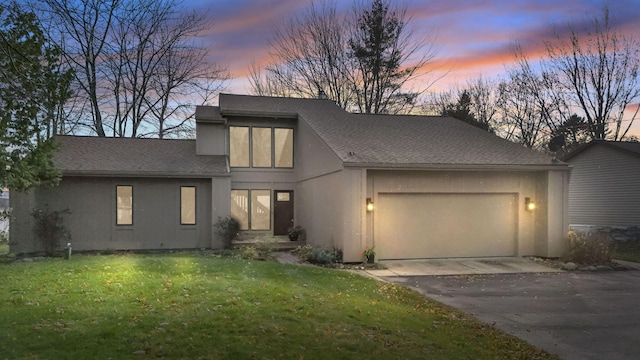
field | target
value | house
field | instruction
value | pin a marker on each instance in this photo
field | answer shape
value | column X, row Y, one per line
column 604, row 192
column 412, row 186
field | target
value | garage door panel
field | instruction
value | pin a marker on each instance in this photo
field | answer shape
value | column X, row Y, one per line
column 435, row 225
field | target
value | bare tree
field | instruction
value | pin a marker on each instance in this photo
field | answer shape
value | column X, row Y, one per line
column 309, row 57
column 359, row 60
column 152, row 65
column 84, row 28
column 138, row 62
column 598, row 71
column 519, row 119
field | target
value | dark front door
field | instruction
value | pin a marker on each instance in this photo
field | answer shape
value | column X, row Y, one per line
column 282, row 211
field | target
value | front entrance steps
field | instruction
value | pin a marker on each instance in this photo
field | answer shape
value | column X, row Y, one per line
column 279, row 243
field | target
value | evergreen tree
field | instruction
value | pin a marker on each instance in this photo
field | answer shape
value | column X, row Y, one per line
column 33, row 88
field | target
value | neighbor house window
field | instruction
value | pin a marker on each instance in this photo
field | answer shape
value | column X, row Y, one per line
column 124, row 206
column 252, row 209
column 260, row 147
column 239, row 146
column 187, row 205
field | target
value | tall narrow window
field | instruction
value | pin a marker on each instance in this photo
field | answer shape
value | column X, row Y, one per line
column 283, row 147
column 187, row 205
column 239, row 146
column 240, row 207
column 261, row 147
column 260, row 209
column 124, row 206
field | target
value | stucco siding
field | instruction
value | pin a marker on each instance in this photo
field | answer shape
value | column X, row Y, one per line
column 319, row 209
column 92, row 202
column 313, row 156
column 604, row 188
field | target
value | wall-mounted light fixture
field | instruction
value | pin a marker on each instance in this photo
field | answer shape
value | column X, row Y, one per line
column 529, row 204
column 369, row 205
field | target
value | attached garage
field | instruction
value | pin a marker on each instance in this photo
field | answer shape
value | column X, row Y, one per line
column 427, row 214
column 441, row 225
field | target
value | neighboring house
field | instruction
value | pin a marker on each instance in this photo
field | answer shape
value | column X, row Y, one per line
column 437, row 186
column 604, row 191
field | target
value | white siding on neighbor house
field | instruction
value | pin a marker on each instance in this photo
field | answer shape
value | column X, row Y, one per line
column 604, row 188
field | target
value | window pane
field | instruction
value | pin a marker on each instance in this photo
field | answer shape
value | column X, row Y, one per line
column 284, row 147
column 239, row 146
column 260, row 209
column 240, row 207
column 187, row 205
column 261, row 146
column 124, row 213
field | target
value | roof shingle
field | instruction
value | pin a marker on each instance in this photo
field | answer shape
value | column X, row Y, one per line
column 84, row 155
column 392, row 140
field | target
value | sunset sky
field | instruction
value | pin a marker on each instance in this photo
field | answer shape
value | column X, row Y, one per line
column 474, row 36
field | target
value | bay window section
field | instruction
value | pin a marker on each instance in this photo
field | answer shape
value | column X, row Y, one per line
column 239, row 146
column 187, row 205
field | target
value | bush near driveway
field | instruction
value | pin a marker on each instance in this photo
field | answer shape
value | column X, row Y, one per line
column 188, row 306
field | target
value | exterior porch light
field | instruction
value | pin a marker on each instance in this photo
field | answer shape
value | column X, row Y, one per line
column 529, row 204
column 369, row 205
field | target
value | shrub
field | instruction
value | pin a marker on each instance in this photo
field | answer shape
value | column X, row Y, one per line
column 587, row 248
column 320, row 255
column 265, row 246
column 227, row 229
column 49, row 228
column 249, row 253
column 303, row 251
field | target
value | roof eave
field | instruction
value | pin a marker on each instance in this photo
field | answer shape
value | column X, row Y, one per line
column 462, row 167
column 273, row 114
column 143, row 174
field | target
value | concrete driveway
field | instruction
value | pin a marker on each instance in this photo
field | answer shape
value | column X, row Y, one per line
column 576, row 315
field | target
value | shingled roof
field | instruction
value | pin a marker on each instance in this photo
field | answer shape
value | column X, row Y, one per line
column 84, row 155
column 628, row 147
column 391, row 140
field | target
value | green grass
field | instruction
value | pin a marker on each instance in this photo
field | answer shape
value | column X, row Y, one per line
column 186, row 306
column 4, row 248
column 626, row 250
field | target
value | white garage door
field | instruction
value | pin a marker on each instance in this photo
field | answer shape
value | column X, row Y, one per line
column 430, row 225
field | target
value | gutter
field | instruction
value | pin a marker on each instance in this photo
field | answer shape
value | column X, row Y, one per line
column 458, row 167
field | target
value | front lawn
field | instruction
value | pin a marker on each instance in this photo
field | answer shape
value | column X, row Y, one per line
column 196, row 307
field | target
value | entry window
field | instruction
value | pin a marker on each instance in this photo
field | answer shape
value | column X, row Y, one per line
column 260, row 147
column 187, row 205
column 252, row 209
column 260, row 209
column 124, row 205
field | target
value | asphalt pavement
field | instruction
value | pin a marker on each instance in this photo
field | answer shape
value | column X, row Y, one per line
column 576, row 315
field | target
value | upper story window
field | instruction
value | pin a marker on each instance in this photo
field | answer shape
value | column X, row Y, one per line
column 260, row 147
